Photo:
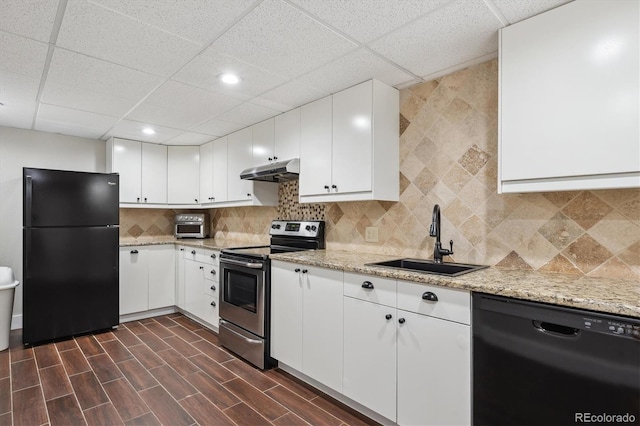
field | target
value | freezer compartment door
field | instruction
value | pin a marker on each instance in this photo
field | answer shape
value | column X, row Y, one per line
column 70, row 281
column 63, row 198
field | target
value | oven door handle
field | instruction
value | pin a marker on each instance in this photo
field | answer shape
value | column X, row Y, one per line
column 223, row 322
column 245, row 264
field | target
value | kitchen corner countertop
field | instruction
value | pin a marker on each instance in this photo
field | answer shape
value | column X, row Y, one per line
column 206, row 243
column 610, row 295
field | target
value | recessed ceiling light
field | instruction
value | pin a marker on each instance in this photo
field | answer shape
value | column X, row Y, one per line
column 229, row 78
column 148, row 131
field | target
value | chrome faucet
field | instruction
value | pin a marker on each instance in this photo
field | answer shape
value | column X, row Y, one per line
column 434, row 231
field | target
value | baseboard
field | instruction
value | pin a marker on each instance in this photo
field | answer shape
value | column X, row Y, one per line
column 148, row 314
column 16, row 322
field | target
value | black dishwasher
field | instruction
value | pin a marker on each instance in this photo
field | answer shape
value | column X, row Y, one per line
column 539, row 364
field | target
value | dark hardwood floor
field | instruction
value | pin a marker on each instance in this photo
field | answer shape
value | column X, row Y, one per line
column 166, row 370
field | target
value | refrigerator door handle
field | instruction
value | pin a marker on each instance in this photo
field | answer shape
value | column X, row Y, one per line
column 27, row 253
column 28, row 193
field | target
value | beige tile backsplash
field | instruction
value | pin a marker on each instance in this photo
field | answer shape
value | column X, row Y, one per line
column 448, row 155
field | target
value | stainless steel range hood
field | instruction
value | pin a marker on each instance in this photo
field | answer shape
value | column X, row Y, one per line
column 282, row 171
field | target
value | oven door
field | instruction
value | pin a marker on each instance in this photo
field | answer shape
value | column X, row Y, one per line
column 242, row 299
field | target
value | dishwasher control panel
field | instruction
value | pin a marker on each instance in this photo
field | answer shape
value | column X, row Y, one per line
column 612, row 327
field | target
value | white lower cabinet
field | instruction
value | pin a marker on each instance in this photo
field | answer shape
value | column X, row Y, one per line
column 180, row 276
column 201, row 284
column 306, row 320
column 147, row 278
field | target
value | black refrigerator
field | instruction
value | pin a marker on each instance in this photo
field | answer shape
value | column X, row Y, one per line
column 70, row 253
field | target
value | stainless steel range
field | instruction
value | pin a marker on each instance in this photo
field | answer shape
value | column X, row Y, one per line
column 245, row 291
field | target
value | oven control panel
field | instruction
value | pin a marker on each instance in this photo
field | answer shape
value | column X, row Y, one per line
column 297, row 228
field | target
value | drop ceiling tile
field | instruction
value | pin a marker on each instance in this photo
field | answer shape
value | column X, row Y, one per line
column 176, row 95
column 190, row 138
column 247, row 114
column 91, row 29
column 196, row 20
column 279, row 38
column 204, row 69
column 21, row 55
column 18, row 94
column 86, row 100
column 289, row 96
column 217, row 127
column 176, row 118
column 128, row 129
column 29, row 18
column 517, row 10
column 457, row 33
column 87, row 73
column 355, row 68
column 56, row 119
column 366, row 20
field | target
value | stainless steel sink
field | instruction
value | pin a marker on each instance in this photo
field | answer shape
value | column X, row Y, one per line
column 430, row 267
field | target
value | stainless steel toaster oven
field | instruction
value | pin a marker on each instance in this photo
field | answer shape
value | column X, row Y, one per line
column 192, row 225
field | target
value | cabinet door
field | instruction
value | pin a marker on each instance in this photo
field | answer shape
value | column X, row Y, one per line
column 240, row 157
column 370, row 355
column 352, row 144
column 183, row 175
column 193, row 285
column 206, row 173
column 154, row 173
column 287, row 134
column 569, row 107
column 210, row 310
column 127, row 161
column 180, row 277
column 286, row 314
column 322, row 342
column 262, row 134
column 315, row 147
column 434, row 371
column 134, row 280
column 220, row 170
column 162, row 276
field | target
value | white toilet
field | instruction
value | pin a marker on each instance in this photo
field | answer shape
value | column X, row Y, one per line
column 8, row 285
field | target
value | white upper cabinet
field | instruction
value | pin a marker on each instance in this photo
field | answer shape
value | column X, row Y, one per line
column 184, row 175
column 142, row 168
column 220, row 177
column 315, row 146
column 364, row 149
column 287, row 136
column 206, row 173
column 263, row 142
column 239, row 157
column 569, row 99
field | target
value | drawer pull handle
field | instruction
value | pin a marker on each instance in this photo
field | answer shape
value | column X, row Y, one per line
column 193, row 252
column 427, row 295
column 213, row 272
column 213, row 303
column 201, row 267
column 134, row 251
column 388, row 316
column 304, row 271
column 296, row 270
column 213, row 287
column 213, row 256
column 368, row 285
column 401, row 320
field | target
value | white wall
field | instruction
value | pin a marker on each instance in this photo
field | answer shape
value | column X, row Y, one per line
column 26, row 148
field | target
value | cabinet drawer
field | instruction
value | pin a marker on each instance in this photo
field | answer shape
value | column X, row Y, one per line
column 383, row 290
column 211, row 272
column 452, row 304
column 201, row 255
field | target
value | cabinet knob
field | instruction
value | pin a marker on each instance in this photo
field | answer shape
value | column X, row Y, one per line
column 388, row 316
column 401, row 320
column 138, row 199
column 368, row 285
column 249, row 195
column 275, row 158
column 213, row 303
column 213, row 272
column 326, row 187
column 193, row 252
column 304, row 271
column 213, row 287
column 427, row 295
column 334, row 187
column 181, row 249
column 270, row 159
column 134, row 251
column 196, row 200
column 296, row 270
column 213, row 256
column 201, row 267
column 145, row 199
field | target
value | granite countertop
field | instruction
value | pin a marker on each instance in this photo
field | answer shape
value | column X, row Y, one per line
column 207, row 243
column 611, row 295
